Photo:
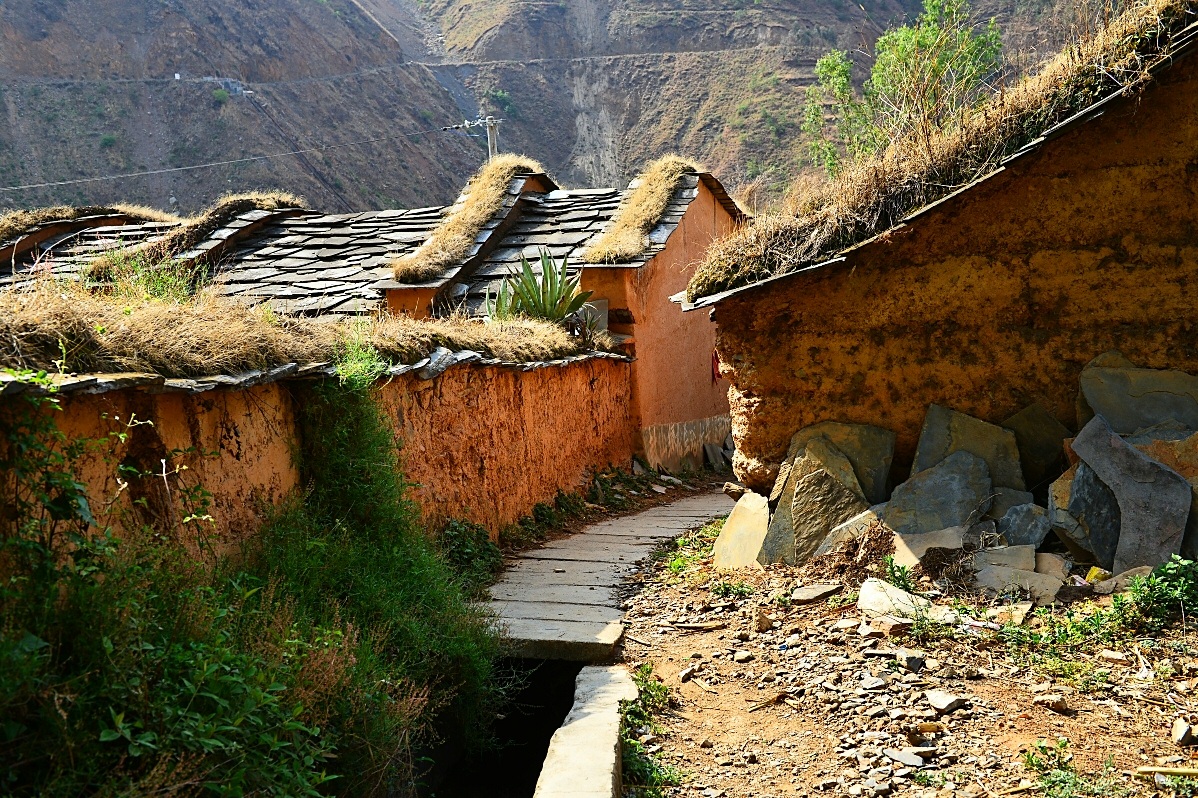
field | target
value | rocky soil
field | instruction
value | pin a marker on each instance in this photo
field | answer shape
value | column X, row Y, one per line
column 773, row 697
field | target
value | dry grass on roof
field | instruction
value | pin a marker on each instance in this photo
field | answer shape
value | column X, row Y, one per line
column 451, row 240
column 196, row 228
column 624, row 239
column 18, row 223
column 53, row 321
column 872, row 196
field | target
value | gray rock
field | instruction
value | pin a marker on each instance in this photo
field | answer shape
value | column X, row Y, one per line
column 1131, row 399
column 909, row 660
column 876, row 597
column 1042, row 587
column 869, row 449
column 1168, row 430
column 810, row 594
column 715, row 456
column 1113, row 359
column 983, row 535
column 1021, row 557
column 818, row 454
column 438, row 360
column 851, row 529
column 1025, row 525
column 947, row 431
column 903, row 757
column 954, row 492
column 910, row 549
column 1039, row 435
column 1154, row 500
column 1003, row 499
column 944, row 702
column 821, row 503
column 1096, row 511
column 1122, row 582
column 1062, row 522
column 734, row 490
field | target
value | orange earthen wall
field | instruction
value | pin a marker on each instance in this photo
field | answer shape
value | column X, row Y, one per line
column 484, row 443
column 488, row 444
column 995, row 300
column 676, row 405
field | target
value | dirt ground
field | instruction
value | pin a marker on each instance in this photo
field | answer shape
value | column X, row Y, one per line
column 813, row 707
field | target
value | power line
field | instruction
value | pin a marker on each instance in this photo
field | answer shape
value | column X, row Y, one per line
column 214, row 163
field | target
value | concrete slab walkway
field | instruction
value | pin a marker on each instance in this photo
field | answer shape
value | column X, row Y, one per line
column 561, row 601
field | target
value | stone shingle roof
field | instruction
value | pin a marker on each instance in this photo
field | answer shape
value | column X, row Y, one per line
column 305, row 262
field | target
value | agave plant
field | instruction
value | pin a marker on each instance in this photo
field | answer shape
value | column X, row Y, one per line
column 553, row 296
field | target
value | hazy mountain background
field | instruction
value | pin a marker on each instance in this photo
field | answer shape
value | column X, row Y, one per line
column 592, row 88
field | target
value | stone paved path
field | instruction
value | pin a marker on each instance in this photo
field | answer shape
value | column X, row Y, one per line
column 560, row 601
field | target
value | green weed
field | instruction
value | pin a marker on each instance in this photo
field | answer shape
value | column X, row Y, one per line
column 644, row 774
column 898, row 575
column 693, row 549
column 1053, row 764
column 724, row 589
column 471, row 555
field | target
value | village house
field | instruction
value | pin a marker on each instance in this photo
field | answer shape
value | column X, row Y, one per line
column 991, row 293
column 303, row 262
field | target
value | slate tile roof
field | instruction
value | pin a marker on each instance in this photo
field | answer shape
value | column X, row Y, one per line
column 305, row 262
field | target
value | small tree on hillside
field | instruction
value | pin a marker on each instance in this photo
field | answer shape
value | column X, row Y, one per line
column 923, row 78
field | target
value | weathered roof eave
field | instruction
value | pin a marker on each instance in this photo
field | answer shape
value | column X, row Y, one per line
column 1188, row 42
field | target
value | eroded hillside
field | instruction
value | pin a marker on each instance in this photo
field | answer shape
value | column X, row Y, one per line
column 89, row 88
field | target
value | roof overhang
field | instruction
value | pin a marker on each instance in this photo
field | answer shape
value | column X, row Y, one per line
column 1188, row 42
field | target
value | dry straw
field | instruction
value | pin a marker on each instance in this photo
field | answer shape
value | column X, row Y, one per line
column 53, row 321
column 451, row 240
column 625, row 239
column 874, row 195
column 19, row 223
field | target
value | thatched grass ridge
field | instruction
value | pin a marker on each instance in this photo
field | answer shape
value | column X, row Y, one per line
column 624, row 239
column 872, row 196
column 19, row 223
column 451, row 240
column 56, row 321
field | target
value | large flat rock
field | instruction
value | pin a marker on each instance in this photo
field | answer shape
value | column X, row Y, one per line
column 739, row 542
column 572, row 641
column 947, row 431
column 869, row 449
column 954, row 492
column 821, row 503
column 562, row 594
column 549, row 611
column 583, row 760
column 1131, row 399
column 1094, row 506
column 1040, row 437
column 1154, row 500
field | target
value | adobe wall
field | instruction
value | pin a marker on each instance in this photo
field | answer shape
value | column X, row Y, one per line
column 678, row 403
column 489, row 443
column 993, row 301
column 485, row 443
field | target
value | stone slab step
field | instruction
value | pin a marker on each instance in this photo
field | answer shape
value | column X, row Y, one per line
column 628, row 554
column 613, row 571
column 547, row 578
column 572, row 641
column 549, row 611
column 562, row 594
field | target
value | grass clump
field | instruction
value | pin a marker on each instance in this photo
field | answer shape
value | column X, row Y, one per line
column 15, row 224
column 148, row 316
column 875, row 193
column 452, row 238
column 693, row 549
column 725, row 589
column 1053, row 765
column 644, row 774
column 624, row 238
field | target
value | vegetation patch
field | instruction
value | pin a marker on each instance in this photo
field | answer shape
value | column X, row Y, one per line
column 644, row 774
column 624, row 238
column 450, row 240
column 313, row 662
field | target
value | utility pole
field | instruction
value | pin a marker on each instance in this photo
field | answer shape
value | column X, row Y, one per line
column 492, row 126
column 492, row 138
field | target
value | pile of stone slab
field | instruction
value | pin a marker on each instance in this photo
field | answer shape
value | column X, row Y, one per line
column 1118, row 494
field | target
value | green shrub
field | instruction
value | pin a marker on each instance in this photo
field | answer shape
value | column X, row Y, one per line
column 470, row 554
column 221, row 96
column 107, row 140
column 724, row 589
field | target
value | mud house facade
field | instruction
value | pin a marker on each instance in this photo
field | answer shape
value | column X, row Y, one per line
column 991, row 299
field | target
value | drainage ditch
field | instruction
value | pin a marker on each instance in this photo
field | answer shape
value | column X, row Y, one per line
column 511, row 767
